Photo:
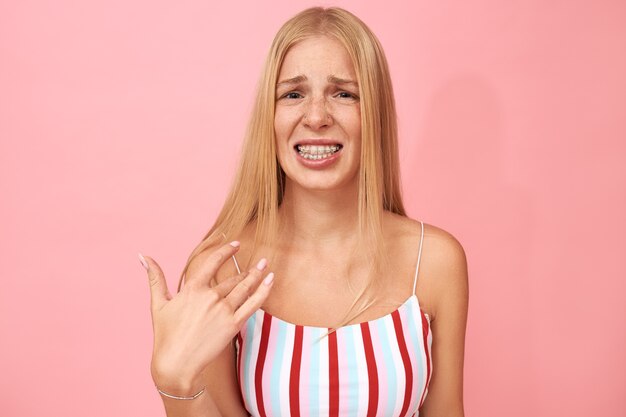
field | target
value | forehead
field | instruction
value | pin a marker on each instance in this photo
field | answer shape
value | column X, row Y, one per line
column 320, row 55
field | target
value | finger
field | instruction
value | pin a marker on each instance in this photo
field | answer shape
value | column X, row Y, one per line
column 225, row 287
column 247, row 286
column 254, row 302
column 207, row 269
column 159, row 294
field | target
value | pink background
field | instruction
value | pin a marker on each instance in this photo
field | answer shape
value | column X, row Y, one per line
column 120, row 126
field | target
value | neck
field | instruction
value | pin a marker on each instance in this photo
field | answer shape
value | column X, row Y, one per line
column 310, row 218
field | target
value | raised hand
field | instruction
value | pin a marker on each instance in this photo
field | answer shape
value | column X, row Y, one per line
column 194, row 326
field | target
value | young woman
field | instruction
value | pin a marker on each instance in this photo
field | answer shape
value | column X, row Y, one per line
column 336, row 328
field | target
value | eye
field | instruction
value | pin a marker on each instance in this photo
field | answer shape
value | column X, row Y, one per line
column 347, row 95
column 292, row 95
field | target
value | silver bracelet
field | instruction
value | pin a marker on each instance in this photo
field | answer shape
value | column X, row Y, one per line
column 193, row 397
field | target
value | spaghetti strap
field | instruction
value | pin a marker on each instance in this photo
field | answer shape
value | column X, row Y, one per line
column 419, row 256
column 236, row 264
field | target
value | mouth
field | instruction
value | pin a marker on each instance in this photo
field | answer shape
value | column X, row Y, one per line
column 318, row 152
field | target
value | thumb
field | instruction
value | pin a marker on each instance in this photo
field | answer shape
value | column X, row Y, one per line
column 159, row 294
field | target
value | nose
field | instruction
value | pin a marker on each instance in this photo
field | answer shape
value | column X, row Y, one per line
column 316, row 114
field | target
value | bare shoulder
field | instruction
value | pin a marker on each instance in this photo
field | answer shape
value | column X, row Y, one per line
column 443, row 263
column 445, row 270
column 445, row 250
column 446, row 254
column 401, row 227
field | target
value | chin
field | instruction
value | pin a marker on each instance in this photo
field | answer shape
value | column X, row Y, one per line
column 306, row 182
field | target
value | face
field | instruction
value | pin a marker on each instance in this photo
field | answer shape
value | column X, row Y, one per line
column 317, row 118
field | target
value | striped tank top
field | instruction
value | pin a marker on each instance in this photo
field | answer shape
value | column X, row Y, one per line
column 380, row 367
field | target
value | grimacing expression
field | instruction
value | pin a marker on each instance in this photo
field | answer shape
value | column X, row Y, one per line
column 317, row 115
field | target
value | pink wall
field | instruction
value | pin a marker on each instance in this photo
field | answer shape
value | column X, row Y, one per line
column 120, row 124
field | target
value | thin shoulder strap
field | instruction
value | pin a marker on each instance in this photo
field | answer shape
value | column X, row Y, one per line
column 236, row 264
column 419, row 256
column 234, row 259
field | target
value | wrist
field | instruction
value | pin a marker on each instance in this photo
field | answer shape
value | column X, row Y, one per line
column 176, row 384
column 180, row 397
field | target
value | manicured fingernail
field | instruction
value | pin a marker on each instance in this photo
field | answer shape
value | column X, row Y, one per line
column 235, row 244
column 262, row 264
column 143, row 261
column 269, row 278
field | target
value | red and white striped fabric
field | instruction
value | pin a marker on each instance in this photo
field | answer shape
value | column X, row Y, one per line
column 380, row 367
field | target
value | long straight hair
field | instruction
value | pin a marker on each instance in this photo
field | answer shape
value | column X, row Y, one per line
column 259, row 184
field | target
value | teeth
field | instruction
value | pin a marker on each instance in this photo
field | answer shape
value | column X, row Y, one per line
column 314, row 152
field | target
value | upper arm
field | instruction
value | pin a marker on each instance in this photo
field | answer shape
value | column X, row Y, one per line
column 220, row 376
column 449, row 292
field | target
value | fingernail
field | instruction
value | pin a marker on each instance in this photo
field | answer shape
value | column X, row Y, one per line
column 235, row 244
column 262, row 264
column 269, row 278
column 143, row 261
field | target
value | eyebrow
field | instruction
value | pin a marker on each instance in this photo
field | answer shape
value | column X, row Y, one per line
column 300, row 78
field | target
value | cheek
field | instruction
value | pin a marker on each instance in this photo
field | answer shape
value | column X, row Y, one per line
column 281, row 134
column 355, row 135
column 355, row 128
column 351, row 121
column 277, row 126
column 282, row 125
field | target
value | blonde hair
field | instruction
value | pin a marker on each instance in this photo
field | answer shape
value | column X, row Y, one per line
column 258, row 187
